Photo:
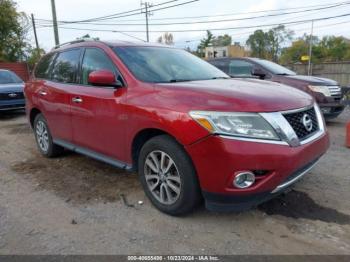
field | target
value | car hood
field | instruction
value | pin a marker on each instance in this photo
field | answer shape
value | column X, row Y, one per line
column 313, row 80
column 239, row 95
column 15, row 87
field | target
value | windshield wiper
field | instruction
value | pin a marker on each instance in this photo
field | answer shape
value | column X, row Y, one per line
column 188, row 80
column 220, row 77
column 179, row 80
column 283, row 74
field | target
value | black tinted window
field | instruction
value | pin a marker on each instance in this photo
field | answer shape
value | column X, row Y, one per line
column 221, row 64
column 240, row 67
column 66, row 66
column 95, row 59
column 42, row 70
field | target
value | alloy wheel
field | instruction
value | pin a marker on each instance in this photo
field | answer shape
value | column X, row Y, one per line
column 42, row 135
column 162, row 177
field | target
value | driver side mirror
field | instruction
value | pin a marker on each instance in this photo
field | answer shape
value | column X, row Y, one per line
column 256, row 71
column 103, row 78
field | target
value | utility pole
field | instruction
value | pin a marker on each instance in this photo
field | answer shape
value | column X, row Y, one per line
column 54, row 19
column 35, row 35
column 310, row 47
column 147, row 14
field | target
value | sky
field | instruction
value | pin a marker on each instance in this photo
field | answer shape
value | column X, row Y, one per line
column 213, row 10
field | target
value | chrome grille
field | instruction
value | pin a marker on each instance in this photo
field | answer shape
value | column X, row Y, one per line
column 296, row 121
column 335, row 91
column 11, row 96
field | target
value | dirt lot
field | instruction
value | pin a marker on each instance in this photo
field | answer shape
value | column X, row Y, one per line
column 75, row 205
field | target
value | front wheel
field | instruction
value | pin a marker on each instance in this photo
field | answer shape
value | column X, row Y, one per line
column 168, row 176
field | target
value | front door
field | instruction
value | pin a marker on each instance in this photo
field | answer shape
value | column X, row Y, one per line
column 98, row 120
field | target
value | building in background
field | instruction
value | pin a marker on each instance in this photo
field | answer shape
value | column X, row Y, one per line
column 235, row 50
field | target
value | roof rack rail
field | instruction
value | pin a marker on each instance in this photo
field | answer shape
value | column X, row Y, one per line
column 74, row 42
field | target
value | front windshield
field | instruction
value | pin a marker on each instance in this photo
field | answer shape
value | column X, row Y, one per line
column 7, row 77
column 166, row 65
column 275, row 68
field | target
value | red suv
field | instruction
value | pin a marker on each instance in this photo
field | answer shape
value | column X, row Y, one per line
column 189, row 130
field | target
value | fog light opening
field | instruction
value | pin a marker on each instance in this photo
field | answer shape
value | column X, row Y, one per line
column 244, row 180
column 325, row 110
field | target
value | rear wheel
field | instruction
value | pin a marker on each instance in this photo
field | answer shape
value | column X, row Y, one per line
column 168, row 176
column 44, row 139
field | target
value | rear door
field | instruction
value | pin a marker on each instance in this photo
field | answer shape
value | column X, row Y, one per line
column 54, row 92
column 98, row 118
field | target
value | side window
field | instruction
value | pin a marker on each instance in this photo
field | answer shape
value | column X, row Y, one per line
column 42, row 70
column 66, row 66
column 95, row 59
column 222, row 65
column 240, row 67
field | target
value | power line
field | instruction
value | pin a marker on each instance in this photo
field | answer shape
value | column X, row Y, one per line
column 116, row 14
column 241, row 27
column 135, row 37
column 133, row 12
column 218, row 15
column 212, row 29
column 197, row 40
column 240, row 13
column 98, row 30
column 251, row 32
column 147, row 12
column 220, row 21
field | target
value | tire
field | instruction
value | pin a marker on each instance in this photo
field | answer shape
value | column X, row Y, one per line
column 44, row 139
column 176, row 190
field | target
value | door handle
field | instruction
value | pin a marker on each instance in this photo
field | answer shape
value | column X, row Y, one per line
column 42, row 93
column 77, row 100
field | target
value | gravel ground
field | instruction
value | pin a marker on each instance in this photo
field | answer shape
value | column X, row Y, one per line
column 75, row 205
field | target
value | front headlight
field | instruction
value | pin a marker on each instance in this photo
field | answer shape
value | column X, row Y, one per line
column 321, row 89
column 249, row 125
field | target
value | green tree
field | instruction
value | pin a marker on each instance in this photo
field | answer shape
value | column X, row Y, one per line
column 294, row 53
column 205, row 42
column 33, row 56
column 258, row 44
column 166, row 38
column 87, row 36
column 299, row 48
column 347, row 55
column 329, row 48
column 269, row 44
column 12, row 32
column 222, row 40
column 334, row 48
column 276, row 37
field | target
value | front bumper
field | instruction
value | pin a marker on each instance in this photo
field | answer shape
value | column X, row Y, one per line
column 217, row 159
column 331, row 110
column 13, row 104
